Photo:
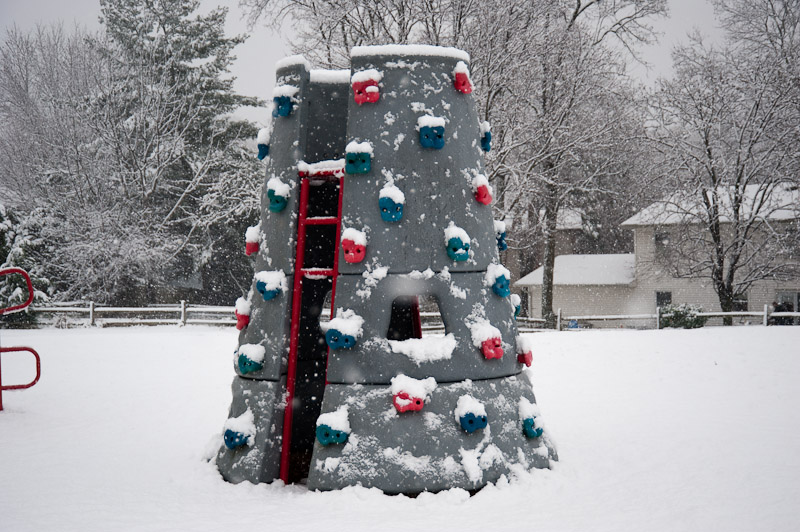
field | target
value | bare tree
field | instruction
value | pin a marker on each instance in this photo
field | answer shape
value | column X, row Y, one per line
column 727, row 127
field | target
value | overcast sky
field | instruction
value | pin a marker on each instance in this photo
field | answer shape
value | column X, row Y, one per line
column 254, row 67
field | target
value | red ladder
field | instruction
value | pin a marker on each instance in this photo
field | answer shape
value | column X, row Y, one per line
column 328, row 174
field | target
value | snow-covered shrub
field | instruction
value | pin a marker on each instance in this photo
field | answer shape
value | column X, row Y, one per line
column 683, row 316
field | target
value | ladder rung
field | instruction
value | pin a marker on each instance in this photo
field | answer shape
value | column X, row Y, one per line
column 322, row 220
column 316, row 271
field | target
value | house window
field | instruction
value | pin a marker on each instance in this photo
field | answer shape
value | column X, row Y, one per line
column 661, row 239
column 663, row 299
column 740, row 302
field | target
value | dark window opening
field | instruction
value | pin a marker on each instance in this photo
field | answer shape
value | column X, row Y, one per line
column 663, row 299
column 411, row 315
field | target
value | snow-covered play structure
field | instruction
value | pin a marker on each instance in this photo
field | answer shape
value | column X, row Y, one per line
column 375, row 193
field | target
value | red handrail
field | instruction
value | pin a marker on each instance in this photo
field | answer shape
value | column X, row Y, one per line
column 24, row 274
column 19, row 386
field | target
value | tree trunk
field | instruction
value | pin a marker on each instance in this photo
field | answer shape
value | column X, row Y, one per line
column 548, row 266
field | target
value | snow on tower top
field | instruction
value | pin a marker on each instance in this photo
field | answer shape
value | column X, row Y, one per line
column 291, row 61
column 393, row 193
column 409, row 50
column 329, row 76
column 263, row 136
column 359, row 147
column 430, row 121
column 336, row 420
column 367, row 75
column 254, row 352
column 421, row 388
column 469, row 405
column 284, row 90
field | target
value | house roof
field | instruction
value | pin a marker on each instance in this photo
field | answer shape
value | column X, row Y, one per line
column 682, row 207
column 587, row 270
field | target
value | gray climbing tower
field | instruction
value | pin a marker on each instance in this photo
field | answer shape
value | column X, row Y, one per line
column 375, row 193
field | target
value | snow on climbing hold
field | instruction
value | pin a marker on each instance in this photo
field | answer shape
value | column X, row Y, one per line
column 358, row 158
column 457, row 242
column 343, row 331
column 333, row 427
column 251, row 358
column 251, row 239
column 270, row 284
column 486, row 136
column 354, row 244
column 242, row 313
column 482, row 189
column 524, row 351
column 517, row 303
column 283, row 100
column 470, row 414
column 532, row 423
column 278, row 194
column 410, row 395
column 500, row 234
column 431, row 131
column 461, row 79
column 499, row 279
column 239, row 431
column 487, row 338
column 391, row 202
column 263, row 142
column 365, row 86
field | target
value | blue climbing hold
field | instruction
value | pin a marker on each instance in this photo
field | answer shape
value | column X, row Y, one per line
column 357, row 163
column 501, row 241
column 276, row 202
column 390, row 211
column 234, row 439
column 457, row 250
column 502, row 286
column 528, row 427
column 470, row 422
column 248, row 366
column 261, row 286
column 486, row 141
column 327, row 436
column 282, row 106
column 432, row 137
column 263, row 151
column 336, row 340
column 517, row 310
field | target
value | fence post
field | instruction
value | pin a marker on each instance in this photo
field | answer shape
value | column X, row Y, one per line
column 658, row 318
column 91, row 313
column 766, row 315
column 183, row 312
column 558, row 320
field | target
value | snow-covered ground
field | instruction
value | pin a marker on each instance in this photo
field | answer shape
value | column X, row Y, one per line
column 656, row 430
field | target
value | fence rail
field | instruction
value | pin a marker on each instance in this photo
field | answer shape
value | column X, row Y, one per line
column 187, row 314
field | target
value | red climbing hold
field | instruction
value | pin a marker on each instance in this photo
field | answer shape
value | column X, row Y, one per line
column 483, row 195
column 242, row 320
column 353, row 252
column 403, row 402
column 250, row 248
column 366, row 91
column 492, row 348
column 525, row 358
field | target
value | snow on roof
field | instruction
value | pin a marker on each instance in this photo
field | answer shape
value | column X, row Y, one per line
column 683, row 207
column 409, row 50
column 329, row 76
column 587, row 270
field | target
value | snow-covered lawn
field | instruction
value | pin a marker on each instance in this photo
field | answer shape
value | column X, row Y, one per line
column 656, row 430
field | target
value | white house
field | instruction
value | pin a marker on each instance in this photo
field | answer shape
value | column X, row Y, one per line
column 637, row 283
